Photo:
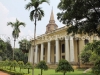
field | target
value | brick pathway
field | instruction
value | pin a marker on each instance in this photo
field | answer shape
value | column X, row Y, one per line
column 2, row 73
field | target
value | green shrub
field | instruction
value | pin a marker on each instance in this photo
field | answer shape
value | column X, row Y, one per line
column 12, row 72
column 64, row 67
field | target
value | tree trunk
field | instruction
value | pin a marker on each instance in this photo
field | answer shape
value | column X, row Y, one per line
column 64, row 73
column 14, row 68
column 41, row 71
column 34, row 43
column 28, row 70
column 20, row 69
column 14, row 48
column 10, row 68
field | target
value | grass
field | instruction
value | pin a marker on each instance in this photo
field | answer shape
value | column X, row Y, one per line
column 52, row 72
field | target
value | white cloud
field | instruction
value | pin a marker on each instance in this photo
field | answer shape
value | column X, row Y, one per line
column 5, row 31
column 3, row 9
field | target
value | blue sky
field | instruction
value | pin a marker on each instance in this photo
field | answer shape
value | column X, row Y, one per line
column 12, row 9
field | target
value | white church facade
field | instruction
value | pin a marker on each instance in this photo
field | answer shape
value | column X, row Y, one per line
column 56, row 44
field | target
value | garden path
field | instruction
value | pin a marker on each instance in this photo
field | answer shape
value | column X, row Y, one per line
column 2, row 73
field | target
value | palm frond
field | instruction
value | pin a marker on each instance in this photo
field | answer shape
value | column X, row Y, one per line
column 10, row 23
column 22, row 23
column 32, row 15
column 29, row 5
column 40, row 14
column 42, row 1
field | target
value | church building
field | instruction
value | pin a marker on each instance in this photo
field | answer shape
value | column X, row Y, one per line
column 55, row 44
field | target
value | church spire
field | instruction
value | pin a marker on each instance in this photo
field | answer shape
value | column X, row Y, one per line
column 52, row 17
column 52, row 25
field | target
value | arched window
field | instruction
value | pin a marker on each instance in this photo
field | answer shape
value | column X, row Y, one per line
column 86, row 41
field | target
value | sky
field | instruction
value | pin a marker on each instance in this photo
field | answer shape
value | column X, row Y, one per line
column 10, row 10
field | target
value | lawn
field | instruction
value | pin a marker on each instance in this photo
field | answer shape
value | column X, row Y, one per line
column 52, row 72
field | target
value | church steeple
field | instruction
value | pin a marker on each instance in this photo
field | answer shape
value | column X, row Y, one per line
column 52, row 25
column 52, row 17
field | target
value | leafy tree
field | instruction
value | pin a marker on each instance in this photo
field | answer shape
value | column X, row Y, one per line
column 85, row 56
column 90, row 52
column 81, row 16
column 42, row 65
column 94, row 56
column 20, row 56
column 21, row 64
column 25, row 45
column 14, row 64
column 2, row 49
column 9, row 64
column 96, row 67
column 6, row 63
column 1, row 64
column 64, row 67
column 16, row 30
column 9, row 51
column 28, row 66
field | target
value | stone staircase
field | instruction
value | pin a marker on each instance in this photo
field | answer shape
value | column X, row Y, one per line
column 52, row 66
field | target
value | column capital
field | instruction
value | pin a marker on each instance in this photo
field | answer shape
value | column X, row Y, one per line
column 71, row 37
column 67, row 37
column 48, row 41
column 42, row 43
column 57, row 39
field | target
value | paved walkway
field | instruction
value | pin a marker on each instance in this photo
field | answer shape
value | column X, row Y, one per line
column 87, row 70
column 2, row 73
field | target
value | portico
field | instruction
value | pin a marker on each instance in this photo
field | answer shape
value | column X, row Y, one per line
column 52, row 51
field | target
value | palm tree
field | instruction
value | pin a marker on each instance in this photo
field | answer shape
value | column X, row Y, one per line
column 16, row 30
column 36, row 14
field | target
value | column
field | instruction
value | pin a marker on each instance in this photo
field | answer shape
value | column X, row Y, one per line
column 36, row 51
column 67, row 48
column 71, row 49
column 57, row 51
column 31, row 55
column 42, row 46
column 48, row 53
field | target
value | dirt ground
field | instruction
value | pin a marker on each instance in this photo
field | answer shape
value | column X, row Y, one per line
column 2, row 73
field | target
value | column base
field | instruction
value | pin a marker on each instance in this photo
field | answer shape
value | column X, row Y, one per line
column 48, row 63
column 57, row 63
